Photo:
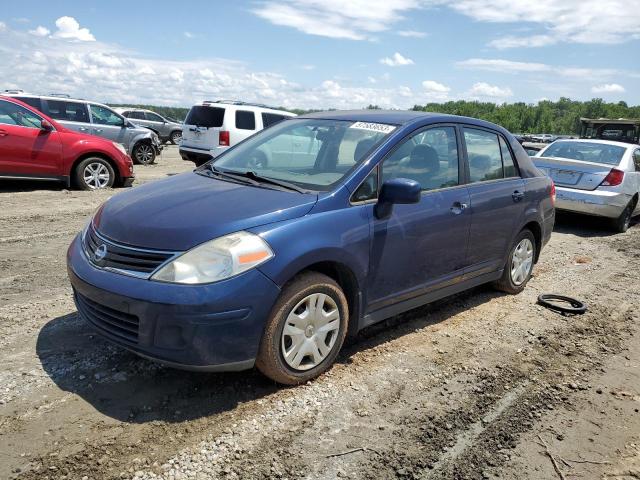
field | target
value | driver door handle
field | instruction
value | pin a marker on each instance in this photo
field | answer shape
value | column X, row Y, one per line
column 83, row 129
column 3, row 133
column 98, row 130
column 457, row 208
column 517, row 196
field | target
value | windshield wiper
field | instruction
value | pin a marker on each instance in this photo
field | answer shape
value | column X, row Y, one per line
column 238, row 177
column 280, row 183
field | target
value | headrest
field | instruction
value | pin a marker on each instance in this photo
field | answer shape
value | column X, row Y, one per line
column 424, row 157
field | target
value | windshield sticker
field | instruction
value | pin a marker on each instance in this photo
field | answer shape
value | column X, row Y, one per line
column 374, row 127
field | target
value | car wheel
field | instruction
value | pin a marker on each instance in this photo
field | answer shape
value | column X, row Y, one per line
column 94, row 173
column 305, row 331
column 144, row 153
column 519, row 266
column 622, row 223
column 175, row 137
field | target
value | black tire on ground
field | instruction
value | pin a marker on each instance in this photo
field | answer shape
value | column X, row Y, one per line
column 175, row 137
column 94, row 173
column 506, row 283
column 144, row 153
column 270, row 360
column 621, row 224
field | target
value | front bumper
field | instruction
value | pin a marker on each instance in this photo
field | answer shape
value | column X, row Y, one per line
column 214, row 327
column 602, row 203
column 128, row 181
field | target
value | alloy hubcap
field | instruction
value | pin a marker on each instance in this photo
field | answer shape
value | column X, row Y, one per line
column 96, row 175
column 521, row 261
column 310, row 332
column 144, row 154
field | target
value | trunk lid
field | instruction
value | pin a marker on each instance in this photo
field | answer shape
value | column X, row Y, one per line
column 576, row 174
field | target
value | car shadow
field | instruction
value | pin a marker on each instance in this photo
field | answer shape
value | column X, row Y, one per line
column 128, row 388
column 16, row 186
column 586, row 225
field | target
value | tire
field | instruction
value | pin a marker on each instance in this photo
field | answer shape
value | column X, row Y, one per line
column 94, row 173
column 621, row 224
column 175, row 137
column 518, row 269
column 303, row 347
column 144, row 153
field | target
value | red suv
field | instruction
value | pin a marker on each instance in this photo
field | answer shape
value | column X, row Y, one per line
column 33, row 146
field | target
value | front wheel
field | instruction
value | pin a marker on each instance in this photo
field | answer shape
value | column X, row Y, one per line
column 94, row 174
column 519, row 266
column 144, row 154
column 305, row 331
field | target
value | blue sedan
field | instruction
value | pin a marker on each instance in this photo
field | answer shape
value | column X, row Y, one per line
column 316, row 227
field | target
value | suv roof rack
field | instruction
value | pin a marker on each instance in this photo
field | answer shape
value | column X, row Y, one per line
column 240, row 102
column 62, row 95
column 14, row 91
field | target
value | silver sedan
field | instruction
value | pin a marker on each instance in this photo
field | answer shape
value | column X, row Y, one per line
column 594, row 177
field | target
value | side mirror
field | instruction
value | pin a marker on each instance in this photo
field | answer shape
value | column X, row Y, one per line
column 397, row 190
column 46, row 125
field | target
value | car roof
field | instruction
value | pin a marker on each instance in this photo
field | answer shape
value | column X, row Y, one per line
column 398, row 117
column 57, row 98
column 244, row 106
column 597, row 140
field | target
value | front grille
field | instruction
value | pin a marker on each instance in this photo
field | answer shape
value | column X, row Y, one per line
column 119, row 257
column 120, row 324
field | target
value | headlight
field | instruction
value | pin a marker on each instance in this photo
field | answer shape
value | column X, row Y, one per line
column 217, row 260
column 120, row 147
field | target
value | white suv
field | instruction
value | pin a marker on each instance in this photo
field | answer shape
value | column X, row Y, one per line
column 212, row 127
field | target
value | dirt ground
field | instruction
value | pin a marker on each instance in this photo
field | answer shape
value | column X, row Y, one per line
column 481, row 385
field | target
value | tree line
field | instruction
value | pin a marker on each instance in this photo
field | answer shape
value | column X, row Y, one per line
column 560, row 118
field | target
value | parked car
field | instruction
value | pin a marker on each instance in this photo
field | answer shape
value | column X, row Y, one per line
column 236, row 264
column 168, row 130
column 595, row 177
column 93, row 118
column 34, row 146
column 543, row 138
column 212, row 127
column 532, row 148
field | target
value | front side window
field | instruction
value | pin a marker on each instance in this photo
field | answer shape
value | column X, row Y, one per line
column 245, row 120
column 67, row 111
column 271, row 118
column 305, row 152
column 12, row 114
column 154, row 117
column 430, row 158
column 105, row 116
column 485, row 157
column 586, row 151
column 135, row 115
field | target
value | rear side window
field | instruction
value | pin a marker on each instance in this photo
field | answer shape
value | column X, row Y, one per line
column 636, row 159
column 245, row 120
column 203, row 116
column 271, row 118
column 67, row 111
column 31, row 101
column 507, row 160
column 135, row 115
column 485, row 157
column 154, row 117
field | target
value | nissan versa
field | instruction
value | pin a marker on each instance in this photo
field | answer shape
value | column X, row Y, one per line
column 306, row 232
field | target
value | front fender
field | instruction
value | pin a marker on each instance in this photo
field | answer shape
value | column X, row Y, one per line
column 138, row 137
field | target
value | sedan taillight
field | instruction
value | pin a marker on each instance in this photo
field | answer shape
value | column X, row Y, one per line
column 614, row 178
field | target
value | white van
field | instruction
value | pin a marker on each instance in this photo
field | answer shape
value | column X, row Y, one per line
column 213, row 126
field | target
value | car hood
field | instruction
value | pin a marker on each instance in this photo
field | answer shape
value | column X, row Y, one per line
column 186, row 210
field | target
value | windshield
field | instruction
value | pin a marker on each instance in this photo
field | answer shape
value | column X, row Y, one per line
column 311, row 153
column 586, row 151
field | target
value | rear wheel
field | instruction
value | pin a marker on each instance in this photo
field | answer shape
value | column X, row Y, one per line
column 622, row 223
column 175, row 137
column 94, row 173
column 305, row 331
column 519, row 266
column 144, row 153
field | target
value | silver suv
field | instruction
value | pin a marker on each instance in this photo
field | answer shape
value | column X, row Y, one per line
column 142, row 144
column 168, row 130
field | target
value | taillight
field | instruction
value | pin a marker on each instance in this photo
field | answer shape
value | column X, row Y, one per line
column 614, row 178
column 553, row 193
column 224, row 139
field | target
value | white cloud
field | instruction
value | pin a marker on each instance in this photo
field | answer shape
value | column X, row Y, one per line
column 434, row 91
column 412, row 34
column 608, row 88
column 396, row 60
column 69, row 28
column 189, row 35
column 499, row 65
column 516, row 42
column 3, row 26
column 40, row 31
column 354, row 20
column 308, row 67
column 482, row 90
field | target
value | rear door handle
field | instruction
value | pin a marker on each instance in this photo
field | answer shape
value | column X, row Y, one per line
column 457, row 208
column 98, row 130
column 83, row 129
column 517, row 196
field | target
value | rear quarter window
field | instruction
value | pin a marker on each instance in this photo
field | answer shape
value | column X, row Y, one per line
column 245, row 120
column 204, row 116
column 271, row 118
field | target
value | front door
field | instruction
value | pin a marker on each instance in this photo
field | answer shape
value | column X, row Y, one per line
column 422, row 246
column 25, row 148
column 108, row 124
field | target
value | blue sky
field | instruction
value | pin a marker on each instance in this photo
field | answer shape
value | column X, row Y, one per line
column 324, row 53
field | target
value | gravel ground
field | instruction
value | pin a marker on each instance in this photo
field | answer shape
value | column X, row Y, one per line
column 479, row 385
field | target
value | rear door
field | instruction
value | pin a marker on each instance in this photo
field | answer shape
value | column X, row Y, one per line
column 497, row 199
column 25, row 148
column 108, row 124
column 202, row 126
column 73, row 115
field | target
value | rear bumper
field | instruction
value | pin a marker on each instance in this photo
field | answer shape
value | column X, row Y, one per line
column 601, row 203
column 195, row 156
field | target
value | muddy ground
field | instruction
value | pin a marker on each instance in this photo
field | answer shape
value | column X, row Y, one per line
column 480, row 385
